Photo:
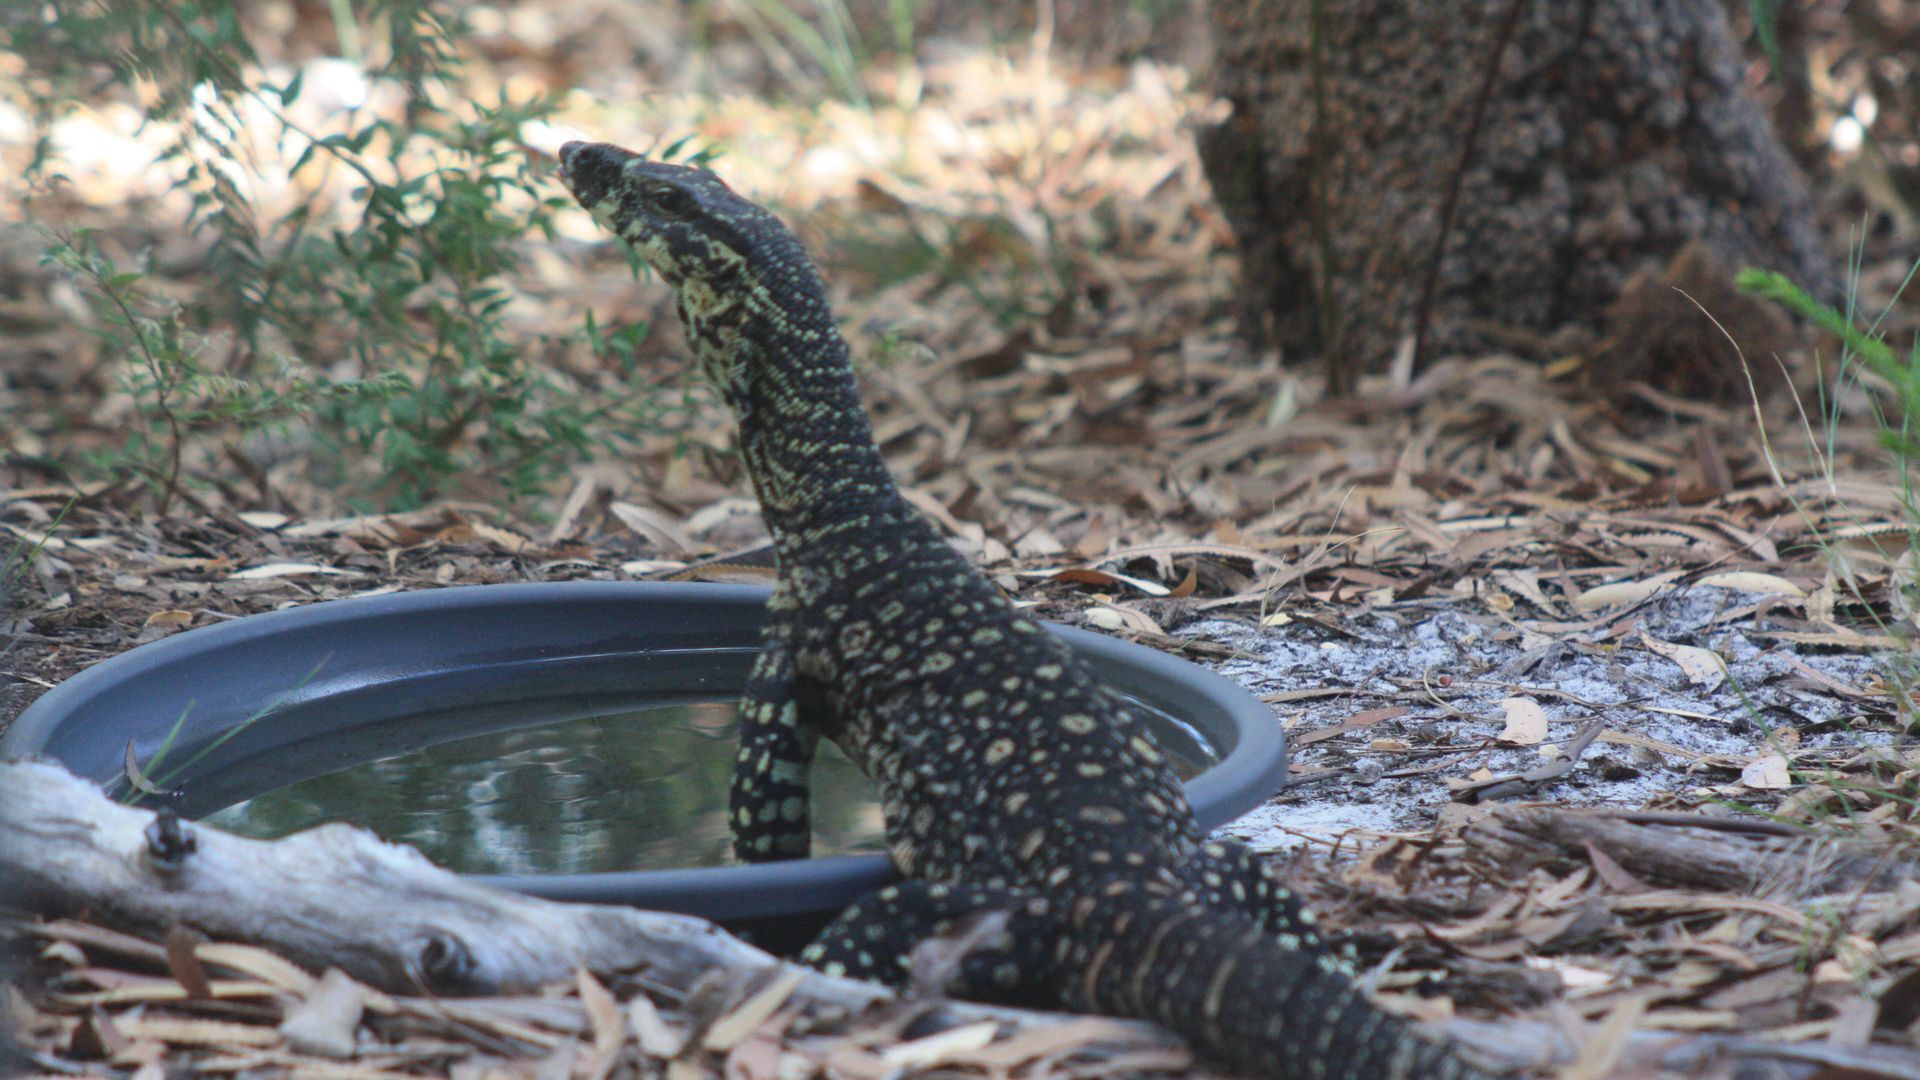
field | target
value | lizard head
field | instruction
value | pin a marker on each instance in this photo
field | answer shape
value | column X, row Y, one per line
column 686, row 223
column 722, row 255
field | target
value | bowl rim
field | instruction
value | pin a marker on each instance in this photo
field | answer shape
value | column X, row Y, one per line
column 482, row 635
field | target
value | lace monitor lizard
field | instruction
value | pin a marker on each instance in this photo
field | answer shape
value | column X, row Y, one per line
column 1010, row 780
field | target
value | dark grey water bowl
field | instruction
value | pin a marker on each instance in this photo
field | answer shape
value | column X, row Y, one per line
column 350, row 680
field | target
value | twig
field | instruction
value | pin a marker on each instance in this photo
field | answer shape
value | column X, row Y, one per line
column 1340, row 377
column 1506, row 787
column 1451, row 204
column 1757, row 826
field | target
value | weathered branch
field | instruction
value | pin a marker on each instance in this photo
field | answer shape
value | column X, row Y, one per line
column 339, row 897
column 332, row 896
column 1648, row 1052
column 1686, row 857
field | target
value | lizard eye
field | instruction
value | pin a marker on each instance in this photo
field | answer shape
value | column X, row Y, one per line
column 672, row 202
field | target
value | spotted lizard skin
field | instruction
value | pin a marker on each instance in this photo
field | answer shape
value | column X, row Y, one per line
column 1011, row 780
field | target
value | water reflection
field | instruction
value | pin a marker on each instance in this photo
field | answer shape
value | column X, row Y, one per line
column 628, row 791
column 634, row 790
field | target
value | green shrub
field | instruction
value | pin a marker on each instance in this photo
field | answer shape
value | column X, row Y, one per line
column 1899, row 375
column 409, row 288
column 1894, row 396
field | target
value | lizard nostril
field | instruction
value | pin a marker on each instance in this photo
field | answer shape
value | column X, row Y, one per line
column 590, row 168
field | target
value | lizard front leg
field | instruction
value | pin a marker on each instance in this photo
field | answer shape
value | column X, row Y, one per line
column 878, row 937
column 768, row 806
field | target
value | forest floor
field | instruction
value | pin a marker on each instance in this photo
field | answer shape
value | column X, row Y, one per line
column 1513, row 628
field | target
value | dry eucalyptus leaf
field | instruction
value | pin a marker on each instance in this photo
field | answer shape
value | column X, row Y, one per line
column 1053, row 1040
column 751, row 1013
column 1365, row 718
column 609, row 1027
column 934, row 1049
column 645, row 567
column 327, row 1023
column 288, row 569
column 1704, row 667
column 683, row 1069
column 1604, row 1044
column 1573, row 976
column 505, row 539
column 1038, row 544
column 1526, row 722
column 760, row 1057
column 1754, row 582
column 136, row 776
column 1525, row 583
column 657, row 1038
column 662, row 530
column 1623, row 593
column 272, row 969
column 196, row 1032
column 1120, row 618
column 1767, row 772
column 263, row 519
column 1082, row 575
column 1478, row 776
column 1821, row 601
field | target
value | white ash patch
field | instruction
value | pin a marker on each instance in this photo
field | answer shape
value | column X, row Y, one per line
column 1452, row 667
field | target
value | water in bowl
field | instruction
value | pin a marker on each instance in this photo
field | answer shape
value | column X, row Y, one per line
column 639, row 789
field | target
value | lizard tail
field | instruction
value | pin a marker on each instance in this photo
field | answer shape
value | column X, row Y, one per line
column 1239, row 995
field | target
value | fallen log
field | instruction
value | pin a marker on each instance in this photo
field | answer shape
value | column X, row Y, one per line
column 1686, row 850
column 332, row 896
column 337, row 897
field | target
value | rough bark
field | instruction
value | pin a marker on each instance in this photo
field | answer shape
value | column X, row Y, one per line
column 1616, row 134
column 1684, row 851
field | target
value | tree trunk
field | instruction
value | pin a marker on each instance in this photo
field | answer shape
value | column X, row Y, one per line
column 1615, row 134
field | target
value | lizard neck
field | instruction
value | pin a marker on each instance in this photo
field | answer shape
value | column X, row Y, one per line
column 804, row 435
